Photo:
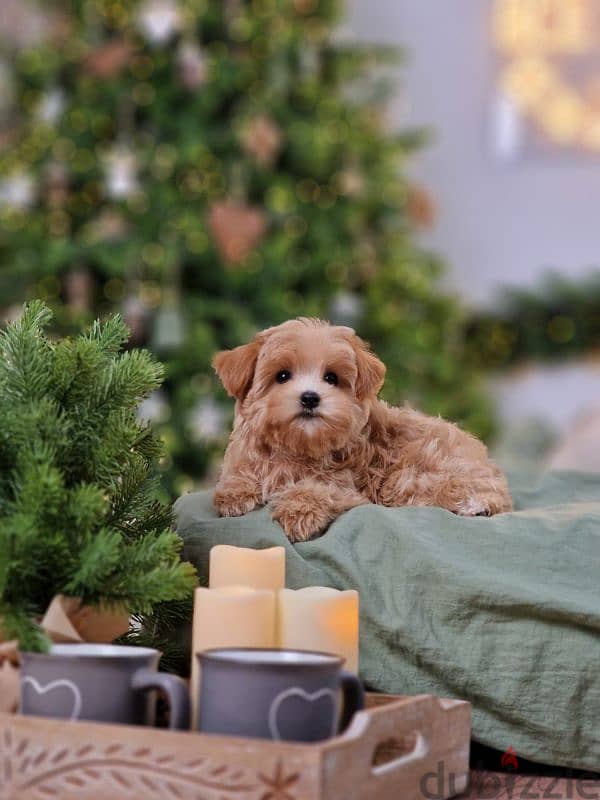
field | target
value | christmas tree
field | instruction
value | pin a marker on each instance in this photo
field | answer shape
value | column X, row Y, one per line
column 77, row 509
column 210, row 168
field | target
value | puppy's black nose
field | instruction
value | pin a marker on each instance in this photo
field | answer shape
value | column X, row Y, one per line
column 309, row 399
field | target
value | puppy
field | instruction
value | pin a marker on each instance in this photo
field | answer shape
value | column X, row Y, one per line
column 311, row 437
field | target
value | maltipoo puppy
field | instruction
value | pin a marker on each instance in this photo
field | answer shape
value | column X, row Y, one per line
column 311, row 437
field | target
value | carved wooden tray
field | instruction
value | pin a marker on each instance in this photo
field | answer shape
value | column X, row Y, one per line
column 399, row 748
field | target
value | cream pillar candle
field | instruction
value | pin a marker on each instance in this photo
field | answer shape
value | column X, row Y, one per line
column 231, row 616
column 243, row 566
column 319, row 618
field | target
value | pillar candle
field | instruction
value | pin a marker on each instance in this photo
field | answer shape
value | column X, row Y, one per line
column 319, row 618
column 243, row 566
column 231, row 616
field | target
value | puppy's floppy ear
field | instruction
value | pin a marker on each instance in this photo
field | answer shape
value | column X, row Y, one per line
column 371, row 371
column 236, row 368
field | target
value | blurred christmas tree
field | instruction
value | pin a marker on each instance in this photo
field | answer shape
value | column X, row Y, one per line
column 211, row 167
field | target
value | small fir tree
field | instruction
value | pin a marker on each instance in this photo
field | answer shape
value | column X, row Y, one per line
column 77, row 514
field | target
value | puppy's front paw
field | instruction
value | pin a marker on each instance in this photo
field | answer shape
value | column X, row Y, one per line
column 485, row 504
column 472, row 508
column 299, row 521
column 232, row 503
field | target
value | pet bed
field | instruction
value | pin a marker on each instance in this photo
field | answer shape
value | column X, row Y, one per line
column 504, row 612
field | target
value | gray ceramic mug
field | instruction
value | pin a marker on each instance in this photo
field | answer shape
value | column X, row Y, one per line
column 100, row 682
column 289, row 695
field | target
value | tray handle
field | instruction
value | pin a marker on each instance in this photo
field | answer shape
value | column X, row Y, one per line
column 405, row 728
column 406, row 754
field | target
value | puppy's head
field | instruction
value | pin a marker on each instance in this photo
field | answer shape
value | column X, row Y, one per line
column 304, row 386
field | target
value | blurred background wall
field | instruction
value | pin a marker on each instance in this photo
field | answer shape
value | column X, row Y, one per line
column 499, row 221
column 502, row 218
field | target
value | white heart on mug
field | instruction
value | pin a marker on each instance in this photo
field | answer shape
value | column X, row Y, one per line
column 60, row 683
column 297, row 691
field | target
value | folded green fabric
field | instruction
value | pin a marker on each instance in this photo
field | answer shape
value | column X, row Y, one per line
column 503, row 612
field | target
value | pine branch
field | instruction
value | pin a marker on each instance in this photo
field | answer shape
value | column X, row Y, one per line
column 79, row 514
column 24, row 355
column 168, row 629
column 111, row 336
column 20, row 625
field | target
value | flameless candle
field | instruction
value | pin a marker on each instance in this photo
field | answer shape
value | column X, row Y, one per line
column 319, row 618
column 231, row 616
column 243, row 566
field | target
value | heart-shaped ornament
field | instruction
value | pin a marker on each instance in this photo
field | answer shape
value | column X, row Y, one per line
column 291, row 704
column 236, row 229
column 62, row 697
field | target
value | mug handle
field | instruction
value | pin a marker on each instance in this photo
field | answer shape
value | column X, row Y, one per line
column 353, row 695
column 174, row 687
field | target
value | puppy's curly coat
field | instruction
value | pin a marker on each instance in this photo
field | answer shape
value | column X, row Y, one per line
column 311, row 437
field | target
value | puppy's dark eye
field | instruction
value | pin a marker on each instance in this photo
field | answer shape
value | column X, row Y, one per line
column 283, row 376
column 331, row 378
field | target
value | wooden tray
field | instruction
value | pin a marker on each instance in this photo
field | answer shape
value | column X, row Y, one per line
column 386, row 754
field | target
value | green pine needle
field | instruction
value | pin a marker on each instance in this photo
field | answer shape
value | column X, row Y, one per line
column 78, row 507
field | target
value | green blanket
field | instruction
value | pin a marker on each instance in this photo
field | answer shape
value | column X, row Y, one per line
column 504, row 612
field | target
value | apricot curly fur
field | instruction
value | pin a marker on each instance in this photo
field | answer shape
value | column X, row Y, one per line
column 351, row 449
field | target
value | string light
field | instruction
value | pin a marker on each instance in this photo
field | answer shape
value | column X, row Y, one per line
column 543, row 26
column 529, row 33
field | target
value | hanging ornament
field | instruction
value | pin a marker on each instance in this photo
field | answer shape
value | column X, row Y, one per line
column 17, row 190
column 58, row 26
column 350, row 182
column 206, row 420
column 7, row 139
column 109, row 59
column 51, row 106
column 159, row 20
column 310, row 60
column 121, row 173
column 305, row 6
column 168, row 332
column 191, row 65
column 23, row 24
column 109, row 225
column 262, row 138
column 7, row 89
column 155, row 408
column 279, row 76
column 231, row 9
column 237, row 229
column 366, row 258
column 346, row 308
column 79, row 287
column 136, row 314
column 57, row 184
column 420, row 206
